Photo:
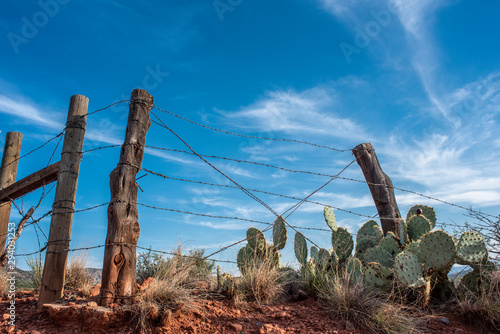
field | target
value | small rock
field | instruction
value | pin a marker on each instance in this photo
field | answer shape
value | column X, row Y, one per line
column 70, row 304
column 445, row 321
column 237, row 327
column 92, row 304
column 258, row 323
column 349, row 326
column 96, row 290
column 146, row 284
column 191, row 329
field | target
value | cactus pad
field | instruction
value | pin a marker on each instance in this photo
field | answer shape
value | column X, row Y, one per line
column 379, row 277
column 437, row 251
column 354, row 269
column 279, row 233
column 256, row 239
column 342, row 243
column 472, row 281
column 471, row 248
column 323, row 256
column 427, row 211
column 300, row 248
column 369, row 235
column 314, row 253
column 417, row 227
column 403, row 232
column 330, row 219
column 409, row 269
column 371, row 230
column 245, row 255
column 379, row 255
column 390, row 245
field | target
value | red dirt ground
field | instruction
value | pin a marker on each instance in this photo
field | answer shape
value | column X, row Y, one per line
column 211, row 316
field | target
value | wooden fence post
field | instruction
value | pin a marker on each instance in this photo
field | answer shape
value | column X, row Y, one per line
column 56, row 258
column 380, row 187
column 8, row 174
column 119, row 275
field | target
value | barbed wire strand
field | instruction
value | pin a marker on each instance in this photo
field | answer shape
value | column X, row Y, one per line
column 98, row 110
column 249, row 136
column 250, row 194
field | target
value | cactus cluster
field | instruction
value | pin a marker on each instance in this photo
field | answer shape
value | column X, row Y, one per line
column 257, row 246
column 338, row 256
column 421, row 258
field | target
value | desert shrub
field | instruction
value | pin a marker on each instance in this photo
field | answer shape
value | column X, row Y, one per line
column 155, row 265
column 167, row 297
column 263, row 281
column 77, row 276
column 481, row 308
column 314, row 277
column 364, row 308
column 149, row 265
column 35, row 264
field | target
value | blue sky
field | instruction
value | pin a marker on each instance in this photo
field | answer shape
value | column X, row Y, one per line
column 420, row 80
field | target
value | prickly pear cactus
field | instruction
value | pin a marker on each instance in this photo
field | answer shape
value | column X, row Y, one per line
column 417, row 227
column 408, row 268
column 379, row 255
column 472, row 281
column 245, row 256
column 323, row 256
column 354, row 269
column 330, row 219
column 342, row 243
column 427, row 211
column 314, row 253
column 279, row 233
column 369, row 235
column 437, row 251
column 403, row 233
column 256, row 239
column 378, row 277
column 471, row 248
column 390, row 244
column 300, row 248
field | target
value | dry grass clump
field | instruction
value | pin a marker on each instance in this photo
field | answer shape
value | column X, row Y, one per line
column 262, row 282
column 365, row 309
column 4, row 285
column 168, row 296
column 77, row 276
column 36, row 266
column 481, row 308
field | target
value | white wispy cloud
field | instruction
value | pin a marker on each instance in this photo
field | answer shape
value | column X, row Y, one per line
column 30, row 113
column 310, row 112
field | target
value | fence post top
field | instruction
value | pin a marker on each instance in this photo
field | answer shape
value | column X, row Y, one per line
column 79, row 97
column 142, row 95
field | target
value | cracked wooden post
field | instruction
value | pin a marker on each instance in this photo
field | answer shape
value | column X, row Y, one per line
column 56, row 257
column 380, row 186
column 119, row 275
column 8, row 174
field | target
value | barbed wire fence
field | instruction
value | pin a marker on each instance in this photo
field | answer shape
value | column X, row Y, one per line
column 233, row 184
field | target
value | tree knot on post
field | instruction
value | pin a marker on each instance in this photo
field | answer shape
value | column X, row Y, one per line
column 119, row 260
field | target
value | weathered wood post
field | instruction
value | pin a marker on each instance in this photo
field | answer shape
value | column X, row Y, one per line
column 56, row 258
column 8, row 174
column 119, row 275
column 380, row 186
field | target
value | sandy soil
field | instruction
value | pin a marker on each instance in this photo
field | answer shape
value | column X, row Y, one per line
column 211, row 316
